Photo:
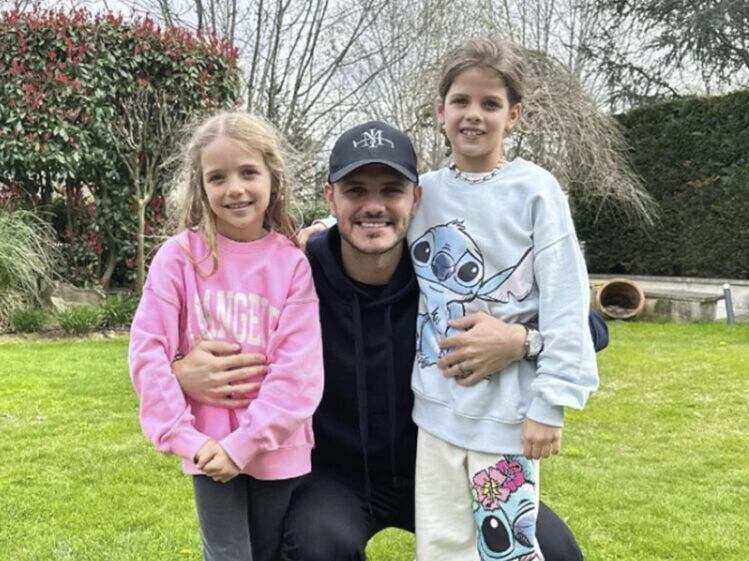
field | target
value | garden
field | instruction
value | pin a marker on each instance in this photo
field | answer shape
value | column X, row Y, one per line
column 95, row 106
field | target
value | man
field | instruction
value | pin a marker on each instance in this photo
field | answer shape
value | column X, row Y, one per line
column 363, row 464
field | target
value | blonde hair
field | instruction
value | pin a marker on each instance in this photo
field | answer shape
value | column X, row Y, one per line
column 500, row 57
column 251, row 132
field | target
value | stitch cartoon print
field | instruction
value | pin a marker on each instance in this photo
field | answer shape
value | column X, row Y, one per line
column 504, row 508
column 451, row 263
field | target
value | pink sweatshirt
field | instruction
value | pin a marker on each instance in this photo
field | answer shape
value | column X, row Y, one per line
column 262, row 297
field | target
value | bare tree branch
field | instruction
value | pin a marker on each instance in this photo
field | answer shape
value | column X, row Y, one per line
column 145, row 128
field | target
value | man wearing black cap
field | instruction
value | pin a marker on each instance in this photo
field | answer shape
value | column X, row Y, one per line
column 362, row 476
column 363, row 461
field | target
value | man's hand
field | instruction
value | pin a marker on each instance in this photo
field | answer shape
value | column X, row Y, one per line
column 213, row 460
column 540, row 441
column 304, row 234
column 488, row 345
column 212, row 370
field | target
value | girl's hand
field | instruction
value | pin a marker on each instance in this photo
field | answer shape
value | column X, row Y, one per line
column 206, row 453
column 213, row 460
column 539, row 440
column 488, row 345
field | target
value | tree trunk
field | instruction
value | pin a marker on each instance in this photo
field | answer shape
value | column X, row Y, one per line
column 69, row 200
column 110, row 266
column 46, row 191
column 140, row 276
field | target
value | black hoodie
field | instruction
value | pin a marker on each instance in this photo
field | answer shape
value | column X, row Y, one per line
column 363, row 427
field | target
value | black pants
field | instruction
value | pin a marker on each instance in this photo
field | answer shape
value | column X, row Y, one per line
column 330, row 520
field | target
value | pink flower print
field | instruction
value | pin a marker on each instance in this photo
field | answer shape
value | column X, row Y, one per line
column 512, row 472
column 488, row 484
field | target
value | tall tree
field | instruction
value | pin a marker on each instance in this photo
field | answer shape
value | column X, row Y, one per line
column 300, row 60
column 651, row 49
column 559, row 28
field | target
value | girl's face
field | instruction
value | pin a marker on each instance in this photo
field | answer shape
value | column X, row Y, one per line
column 237, row 182
column 476, row 112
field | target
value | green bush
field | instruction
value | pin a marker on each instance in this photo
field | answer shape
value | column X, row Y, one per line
column 118, row 311
column 694, row 157
column 26, row 259
column 28, row 320
column 79, row 320
column 311, row 209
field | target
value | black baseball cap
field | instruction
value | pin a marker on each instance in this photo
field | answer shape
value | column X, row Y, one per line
column 374, row 142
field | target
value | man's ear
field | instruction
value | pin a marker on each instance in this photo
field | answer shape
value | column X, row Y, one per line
column 328, row 190
column 417, row 199
column 516, row 111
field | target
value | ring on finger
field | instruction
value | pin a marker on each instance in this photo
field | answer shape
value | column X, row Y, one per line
column 464, row 372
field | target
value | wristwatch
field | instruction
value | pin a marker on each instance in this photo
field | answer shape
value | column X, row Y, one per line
column 534, row 343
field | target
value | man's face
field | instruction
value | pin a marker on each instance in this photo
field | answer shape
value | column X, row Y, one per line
column 374, row 206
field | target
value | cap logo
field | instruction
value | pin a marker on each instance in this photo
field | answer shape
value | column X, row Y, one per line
column 372, row 139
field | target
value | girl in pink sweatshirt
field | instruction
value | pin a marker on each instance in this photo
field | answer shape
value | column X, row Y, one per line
column 233, row 275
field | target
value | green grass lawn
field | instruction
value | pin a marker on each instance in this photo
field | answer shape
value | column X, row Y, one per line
column 656, row 467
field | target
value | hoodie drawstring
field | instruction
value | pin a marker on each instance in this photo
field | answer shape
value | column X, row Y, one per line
column 361, row 394
column 390, row 381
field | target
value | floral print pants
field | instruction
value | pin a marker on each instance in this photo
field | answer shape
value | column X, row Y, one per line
column 473, row 506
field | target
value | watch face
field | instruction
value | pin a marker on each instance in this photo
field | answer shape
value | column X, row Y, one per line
column 535, row 343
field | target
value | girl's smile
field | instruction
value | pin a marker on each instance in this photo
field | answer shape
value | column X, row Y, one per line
column 240, row 205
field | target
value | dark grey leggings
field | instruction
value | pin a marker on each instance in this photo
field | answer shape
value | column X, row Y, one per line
column 229, row 513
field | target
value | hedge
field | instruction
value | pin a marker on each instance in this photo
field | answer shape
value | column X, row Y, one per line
column 694, row 157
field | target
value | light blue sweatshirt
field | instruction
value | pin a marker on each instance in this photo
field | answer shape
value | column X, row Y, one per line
column 507, row 247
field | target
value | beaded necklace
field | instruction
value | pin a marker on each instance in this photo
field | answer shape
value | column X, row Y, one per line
column 461, row 175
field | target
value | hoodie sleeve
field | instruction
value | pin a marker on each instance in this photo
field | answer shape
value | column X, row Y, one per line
column 292, row 389
column 566, row 371
column 165, row 415
column 598, row 330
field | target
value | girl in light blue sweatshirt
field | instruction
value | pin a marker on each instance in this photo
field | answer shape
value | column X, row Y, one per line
column 496, row 237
